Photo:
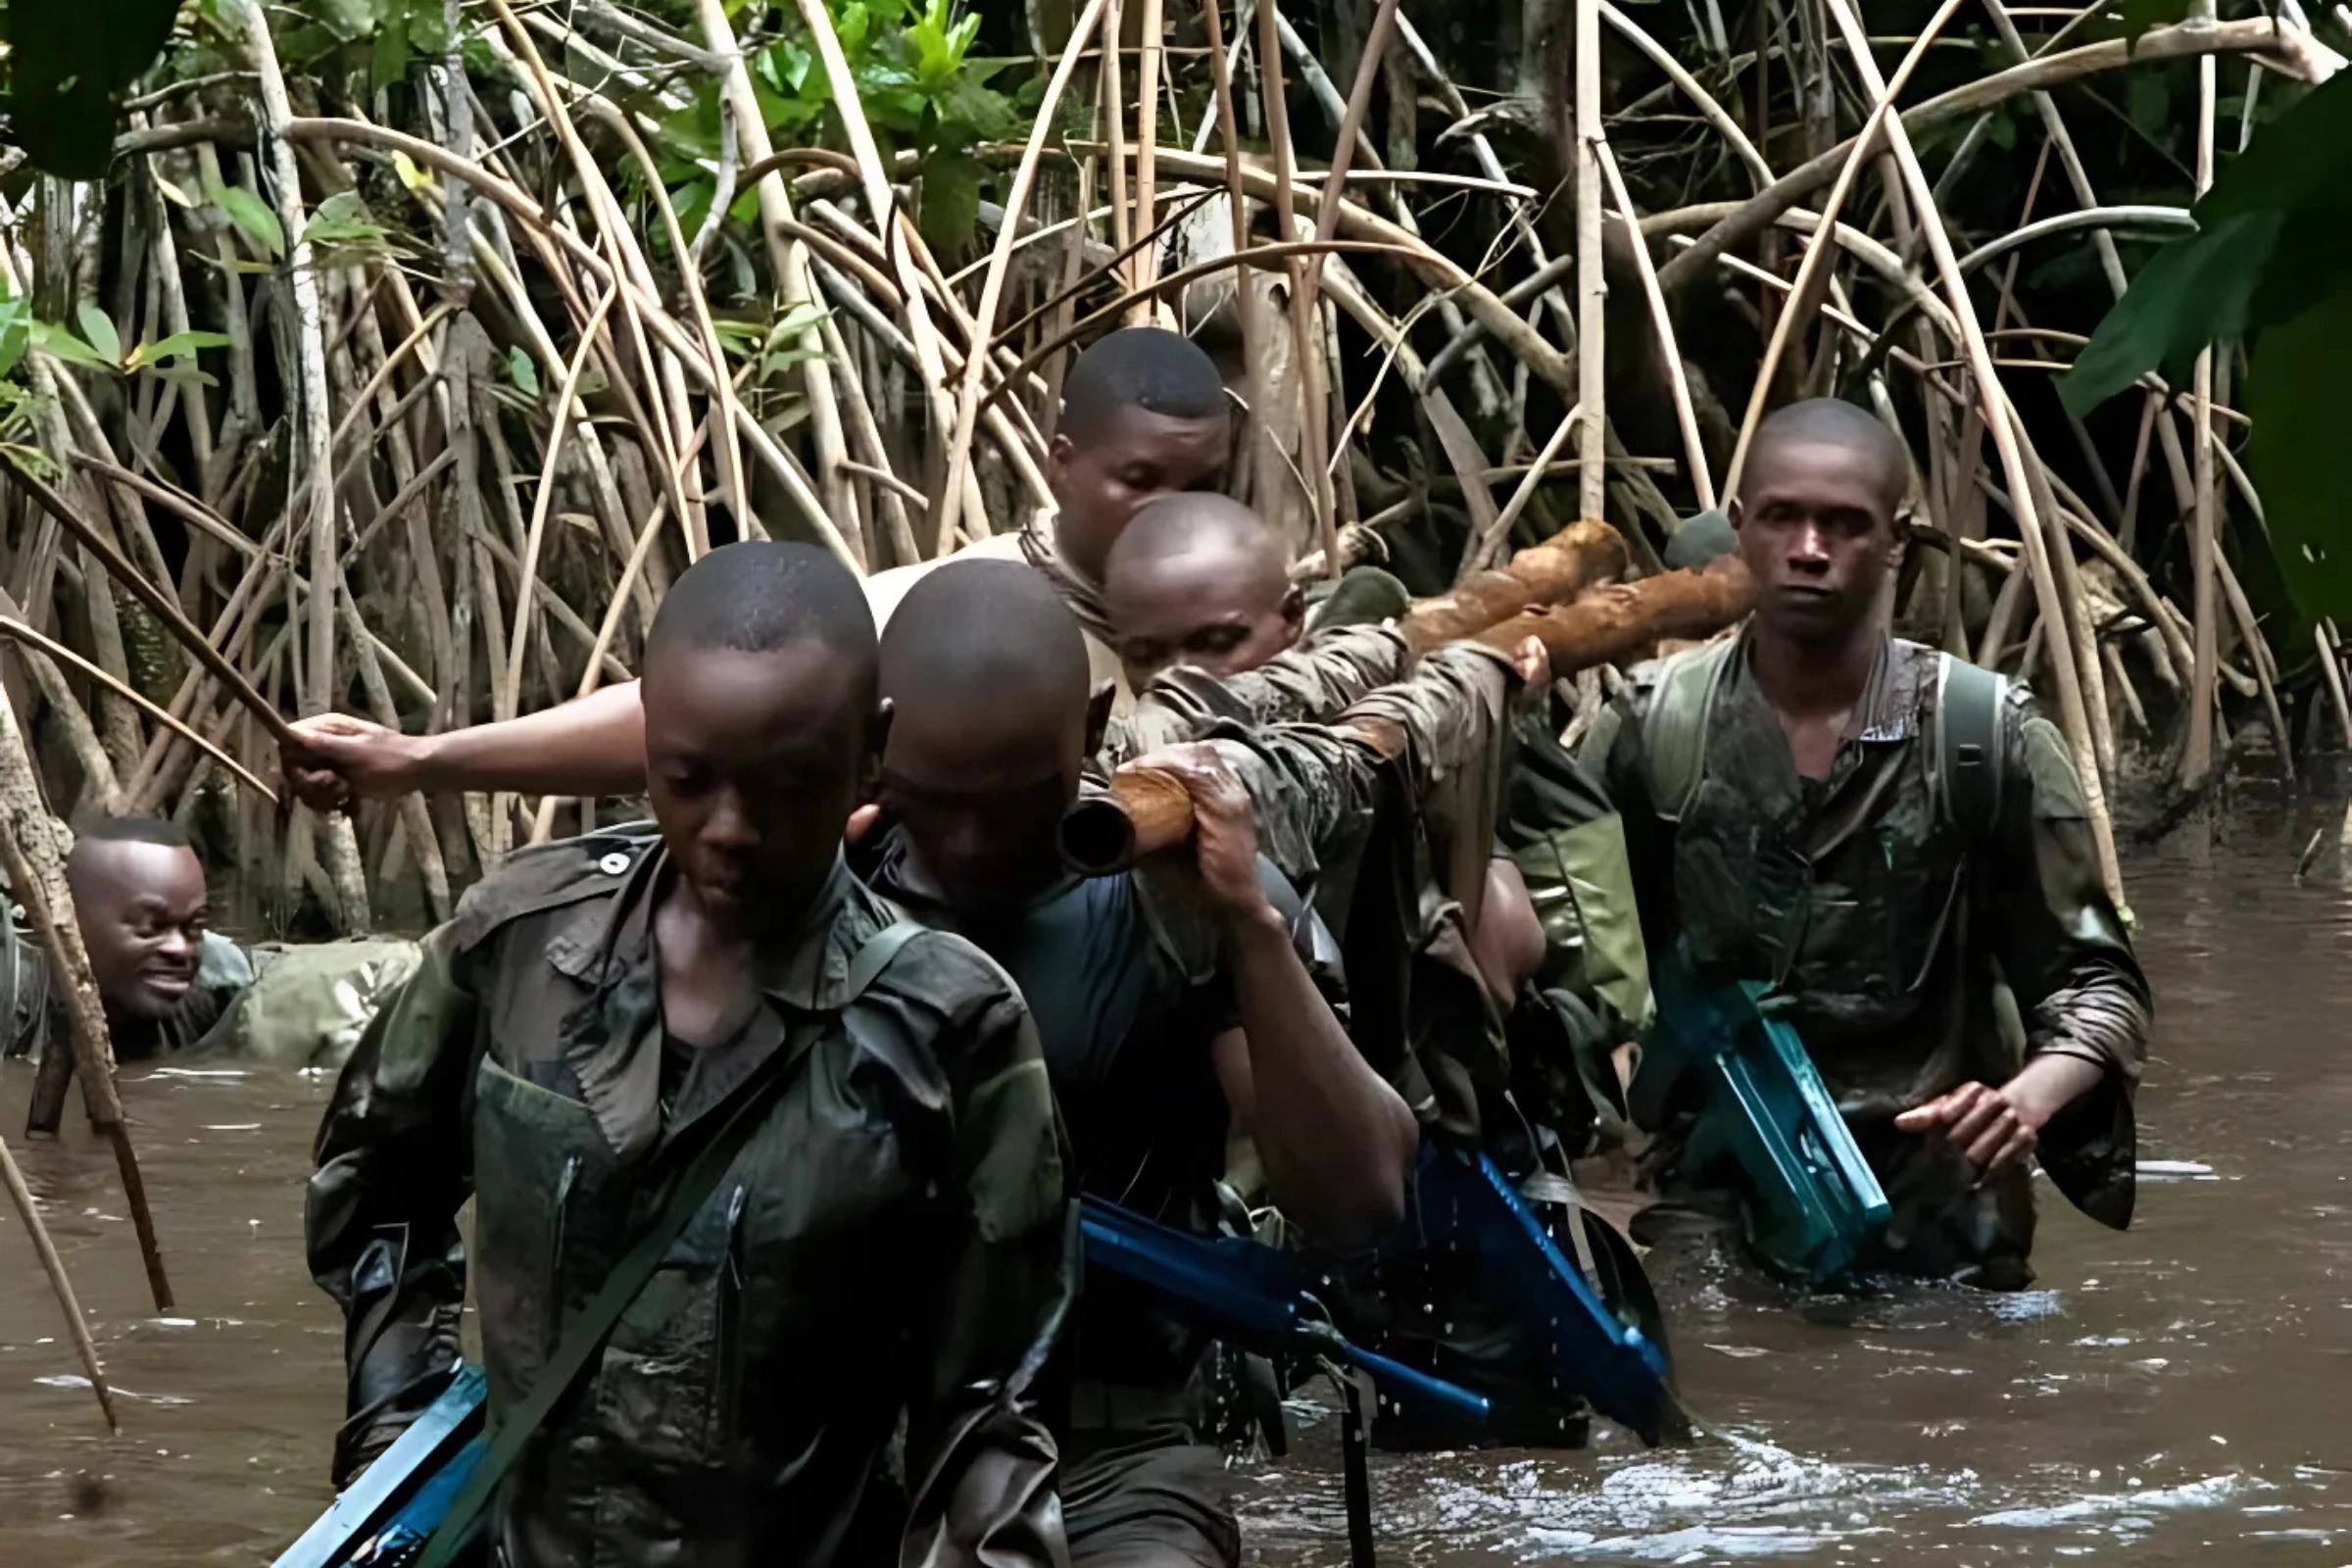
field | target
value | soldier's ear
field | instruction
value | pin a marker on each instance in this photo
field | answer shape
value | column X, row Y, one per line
column 1098, row 715
column 1294, row 614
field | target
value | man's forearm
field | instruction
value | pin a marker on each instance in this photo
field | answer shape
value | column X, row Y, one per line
column 1337, row 1142
column 595, row 746
column 2049, row 1083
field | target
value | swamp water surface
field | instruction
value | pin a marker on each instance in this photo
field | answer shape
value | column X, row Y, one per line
column 2177, row 1395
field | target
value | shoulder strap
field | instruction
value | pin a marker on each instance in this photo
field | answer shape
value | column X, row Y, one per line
column 1674, row 729
column 1968, row 744
column 585, row 1336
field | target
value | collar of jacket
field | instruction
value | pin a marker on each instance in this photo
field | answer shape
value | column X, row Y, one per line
column 613, row 1042
column 1888, row 710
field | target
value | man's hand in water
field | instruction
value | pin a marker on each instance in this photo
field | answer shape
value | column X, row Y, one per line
column 1998, row 1128
column 1224, row 858
column 342, row 760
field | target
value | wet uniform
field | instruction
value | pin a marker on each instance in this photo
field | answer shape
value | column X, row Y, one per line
column 1127, row 997
column 1894, row 928
column 830, row 1360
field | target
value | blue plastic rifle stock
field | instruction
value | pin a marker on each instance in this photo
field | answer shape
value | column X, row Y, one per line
column 1815, row 1201
column 1251, row 1294
column 397, row 1500
column 1612, row 1363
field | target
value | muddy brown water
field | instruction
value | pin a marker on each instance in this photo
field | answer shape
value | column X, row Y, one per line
column 2177, row 1395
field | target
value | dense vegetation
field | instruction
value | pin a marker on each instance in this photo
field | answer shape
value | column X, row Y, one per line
column 404, row 349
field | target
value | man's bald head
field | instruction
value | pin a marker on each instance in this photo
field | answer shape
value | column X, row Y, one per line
column 1202, row 580
column 1815, row 513
column 987, row 672
column 1840, row 426
column 139, row 898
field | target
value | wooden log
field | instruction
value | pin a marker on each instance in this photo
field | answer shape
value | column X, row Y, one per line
column 1145, row 811
column 1559, row 568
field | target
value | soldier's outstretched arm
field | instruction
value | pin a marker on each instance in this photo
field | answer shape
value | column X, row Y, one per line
column 394, row 1165
column 981, row 1467
column 592, row 745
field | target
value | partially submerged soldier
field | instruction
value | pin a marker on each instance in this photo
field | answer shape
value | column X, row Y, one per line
column 860, row 1300
column 1803, row 808
column 163, row 976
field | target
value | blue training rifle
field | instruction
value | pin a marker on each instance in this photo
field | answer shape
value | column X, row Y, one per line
column 1467, row 1201
column 1253, row 1296
column 1813, row 1202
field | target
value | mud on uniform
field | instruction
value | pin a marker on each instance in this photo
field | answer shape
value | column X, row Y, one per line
column 1127, row 992
column 1893, row 926
column 828, row 1367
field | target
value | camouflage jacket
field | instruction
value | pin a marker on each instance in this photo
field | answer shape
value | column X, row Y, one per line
column 887, row 1255
column 1899, row 937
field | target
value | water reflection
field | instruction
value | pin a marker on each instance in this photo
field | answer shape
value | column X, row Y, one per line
column 2177, row 1394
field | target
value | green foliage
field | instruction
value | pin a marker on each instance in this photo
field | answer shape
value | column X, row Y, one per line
column 67, row 67
column 921, row 88
column 2267, row 266
column 98, row 330
column 380, row 37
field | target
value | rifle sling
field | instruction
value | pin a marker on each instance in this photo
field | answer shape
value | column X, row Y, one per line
column 585, row 1339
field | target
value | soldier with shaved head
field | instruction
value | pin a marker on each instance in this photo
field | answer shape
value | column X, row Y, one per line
column 1893, row 839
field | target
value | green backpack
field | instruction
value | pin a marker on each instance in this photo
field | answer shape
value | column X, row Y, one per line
column 1967, row 768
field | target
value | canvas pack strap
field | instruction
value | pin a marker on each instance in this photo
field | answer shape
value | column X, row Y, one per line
column 585, row 1339
column 1968, row 744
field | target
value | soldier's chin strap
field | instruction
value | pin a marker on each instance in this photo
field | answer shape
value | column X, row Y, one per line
column 586, row 1337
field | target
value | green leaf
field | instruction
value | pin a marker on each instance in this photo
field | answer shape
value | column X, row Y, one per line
column 2194, row 290
column 98, row 330
column 2292, row 394
column 16, row 333
column 250, row 213
column 349, row 21
column 428, row 28
column 341, row 219
column 411, row 176
column 851, row 25
column 949, row 211
column 178, row 345
column 524, row 372
column 388, row 61
column 67, row 63
column 55, row 341
column 2296, row 162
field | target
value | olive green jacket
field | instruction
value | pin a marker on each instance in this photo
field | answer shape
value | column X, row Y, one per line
column 1893, row 929
column 890, row 1247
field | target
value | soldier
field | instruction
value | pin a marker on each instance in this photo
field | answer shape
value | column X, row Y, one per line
column 1174, row 1010
column 1201, row 582
column 1144, row 415
column 1891, row 838
column 860, row 1296
column 164, row 978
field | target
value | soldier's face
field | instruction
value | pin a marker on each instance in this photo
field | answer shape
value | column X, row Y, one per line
column 1816, row 528
column 754, row 760
column 143, row 911
column 1135, row 457
column 1220, row 611
column 981, row 794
